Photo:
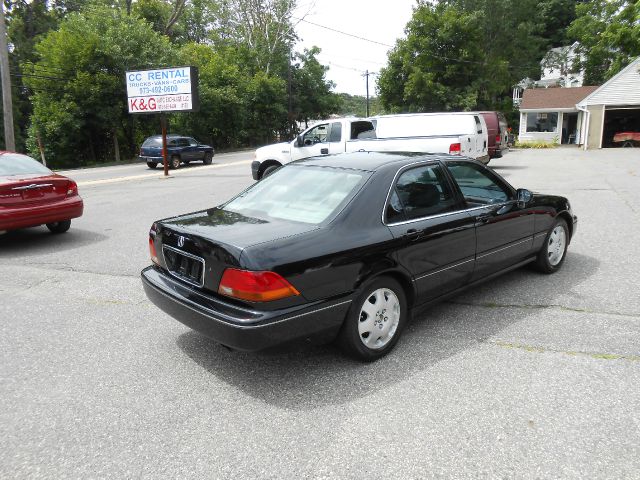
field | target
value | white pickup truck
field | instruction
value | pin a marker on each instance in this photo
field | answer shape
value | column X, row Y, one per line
column 353, row 134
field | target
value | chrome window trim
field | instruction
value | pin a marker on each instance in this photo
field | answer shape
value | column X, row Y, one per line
column 186, row 254
column 429, row 217
column 444, row 269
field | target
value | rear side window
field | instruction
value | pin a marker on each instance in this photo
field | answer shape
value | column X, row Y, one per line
column 362, row 130
column 152, row 142
column 479, row 186
column 420, row 192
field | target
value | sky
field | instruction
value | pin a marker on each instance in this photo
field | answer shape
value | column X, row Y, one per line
column 382, row 21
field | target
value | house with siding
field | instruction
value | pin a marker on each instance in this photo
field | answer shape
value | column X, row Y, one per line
column 587, row 116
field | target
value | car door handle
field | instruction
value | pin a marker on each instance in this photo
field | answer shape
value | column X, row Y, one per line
column 411, row 234
column 324, row 151
column 482, row 219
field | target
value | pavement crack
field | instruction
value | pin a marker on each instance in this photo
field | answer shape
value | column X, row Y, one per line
column 68, row 268
column 573, row 353
column 544, row 307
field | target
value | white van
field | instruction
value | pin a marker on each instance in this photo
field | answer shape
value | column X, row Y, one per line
column 465, row 133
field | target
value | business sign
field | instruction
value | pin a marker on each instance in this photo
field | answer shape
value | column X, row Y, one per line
column 163, row 90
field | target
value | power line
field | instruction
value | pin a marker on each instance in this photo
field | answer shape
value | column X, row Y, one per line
column 343, row 33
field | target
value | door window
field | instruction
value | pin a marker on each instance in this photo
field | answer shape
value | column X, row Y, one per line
column 192, row 142
column 479, row 186
column 317, row 134
column 420, row 192
column 478, row 124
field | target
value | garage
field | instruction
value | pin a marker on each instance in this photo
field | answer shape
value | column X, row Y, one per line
column 613, row 111
column 621, row 127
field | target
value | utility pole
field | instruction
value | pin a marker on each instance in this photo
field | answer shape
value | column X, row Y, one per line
column 366, row 75
column 9, row 136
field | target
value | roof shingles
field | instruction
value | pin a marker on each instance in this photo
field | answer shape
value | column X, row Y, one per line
column 552, row 98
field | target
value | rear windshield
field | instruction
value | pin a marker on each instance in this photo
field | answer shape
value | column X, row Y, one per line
column 424, row 125
column 299, row 193
column 153, row 142
column 17, row 164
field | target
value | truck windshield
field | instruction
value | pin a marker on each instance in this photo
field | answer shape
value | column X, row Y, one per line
column 304, row 194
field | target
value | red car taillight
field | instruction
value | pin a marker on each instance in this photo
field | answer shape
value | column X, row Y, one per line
column 72, row 188
column 255, row 286
column 152, row 251
column 455, row 149
column 152, row 246
column 498, row 138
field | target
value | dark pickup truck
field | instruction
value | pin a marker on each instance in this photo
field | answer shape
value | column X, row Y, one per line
column 180, row 150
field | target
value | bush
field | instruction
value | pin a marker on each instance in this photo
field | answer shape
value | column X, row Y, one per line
column 535, row 145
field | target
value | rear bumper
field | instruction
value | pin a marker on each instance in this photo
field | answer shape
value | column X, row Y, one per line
column 150, row 159
column 24, row 217
column 240, row 328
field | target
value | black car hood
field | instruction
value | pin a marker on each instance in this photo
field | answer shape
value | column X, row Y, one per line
column 234, row 229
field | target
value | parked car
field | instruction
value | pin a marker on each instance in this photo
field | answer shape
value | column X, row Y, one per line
column 180, row 149
column 32, row 195
column 344, row 246
column 460, row 133
column 456, row 134
column 498, row 133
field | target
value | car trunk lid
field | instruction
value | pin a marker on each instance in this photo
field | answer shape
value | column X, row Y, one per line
column 198, row 247
column 27, row 190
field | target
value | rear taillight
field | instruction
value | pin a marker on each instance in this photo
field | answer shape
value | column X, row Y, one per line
column 152, row 246
column 455, row 149
column 72, row 188
column 255, row 286
column 152, row 251
column 498, row 138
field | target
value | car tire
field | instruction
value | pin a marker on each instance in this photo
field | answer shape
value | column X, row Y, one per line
column 152, row 165
column 554, row 250
column 269, row 170
column 208, row 157
column 379, row 308
column 175, row 162
column 59, row 227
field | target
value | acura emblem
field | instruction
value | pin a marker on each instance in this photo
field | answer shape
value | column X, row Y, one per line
column 181, row 241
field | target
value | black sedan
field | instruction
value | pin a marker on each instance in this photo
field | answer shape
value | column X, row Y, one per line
column 180, row 150
column 343, row 247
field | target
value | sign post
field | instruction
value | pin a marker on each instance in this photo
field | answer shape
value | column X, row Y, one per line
column 163, row 90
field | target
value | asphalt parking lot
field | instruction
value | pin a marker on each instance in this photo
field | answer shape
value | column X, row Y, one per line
column 529, row 376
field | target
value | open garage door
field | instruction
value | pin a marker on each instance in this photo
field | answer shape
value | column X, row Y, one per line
column 620, row 120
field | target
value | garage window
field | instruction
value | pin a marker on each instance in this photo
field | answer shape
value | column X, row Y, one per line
column 542, row 122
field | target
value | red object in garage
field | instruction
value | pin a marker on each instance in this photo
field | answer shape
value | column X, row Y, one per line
column 32, row 195
column 623, row 137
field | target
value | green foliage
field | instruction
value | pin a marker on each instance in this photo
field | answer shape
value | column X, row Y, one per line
column 468, row 54
column 609, row 35
column 311, row 92
column 356, row 105
column 78, row 114
column 421, row 75
column 535, row 145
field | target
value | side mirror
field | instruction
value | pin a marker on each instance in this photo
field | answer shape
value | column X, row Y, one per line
column 299, row 141
column 524, row 197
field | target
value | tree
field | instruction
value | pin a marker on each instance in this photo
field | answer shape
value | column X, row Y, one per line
column 437, row 66
column 609, row 36
column 82, row 114
column 311, row 92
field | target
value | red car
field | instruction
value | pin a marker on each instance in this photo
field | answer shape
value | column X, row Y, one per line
column 31, row 195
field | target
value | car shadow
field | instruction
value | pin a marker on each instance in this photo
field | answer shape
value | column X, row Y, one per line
column 308, row 377
column 39, row 240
